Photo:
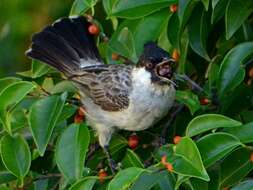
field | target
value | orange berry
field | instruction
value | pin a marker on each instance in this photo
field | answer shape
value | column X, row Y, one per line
column 173, row 8
column 204, row 101
column 78, row 118
column 169, row 167
column 251, row 157
column 176, row 139
column 164, row 160
column 250, row 73
column 101, row 175
column 133, row 141
column 93, row 29
column 175, row 55
column 81, row 111
column 115, row 56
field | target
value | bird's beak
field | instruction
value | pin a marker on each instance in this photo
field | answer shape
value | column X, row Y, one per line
column 164, row 70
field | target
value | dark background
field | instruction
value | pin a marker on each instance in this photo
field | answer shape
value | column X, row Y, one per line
column 19, row 19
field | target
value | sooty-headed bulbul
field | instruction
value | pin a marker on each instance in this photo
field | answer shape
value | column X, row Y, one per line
column 115, row 96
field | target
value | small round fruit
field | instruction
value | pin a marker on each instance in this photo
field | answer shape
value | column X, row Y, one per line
column 133, row 141
column 81, row 111
column 101, row 175
column 175, row 55
column 250, row 73
column 176, row 139
column 164, row 160
column 169, row 167
column 115, row 56
column 204, row 101
column 251, row 157
column 173, row 8
column 93, row 29
column 78, row 118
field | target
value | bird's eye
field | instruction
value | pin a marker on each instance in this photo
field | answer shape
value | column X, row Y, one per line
column 149, row 65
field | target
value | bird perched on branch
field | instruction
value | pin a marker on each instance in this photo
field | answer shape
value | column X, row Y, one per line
column 115, row 96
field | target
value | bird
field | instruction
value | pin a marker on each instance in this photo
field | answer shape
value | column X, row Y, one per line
column 115, row 96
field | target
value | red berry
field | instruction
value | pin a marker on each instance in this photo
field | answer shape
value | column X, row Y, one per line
column 173, row 8
column 101, row 175
column 115, row 56
column 250, row 73
column 169, row 167
column 81, row 111
column 93, row 29
column 133, row 141
column 251, row 157
column 164, row 160
column 175, row 55
column 78, row 118
column 204, row 101
column 176, row 139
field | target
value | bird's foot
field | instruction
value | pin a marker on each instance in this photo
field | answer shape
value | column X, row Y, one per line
column 112, row 164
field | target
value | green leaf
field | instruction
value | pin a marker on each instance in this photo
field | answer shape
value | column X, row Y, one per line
column 198, row 31
column 206, row 4
column 244, row 185
column 218, row 10
column 231, row 66
column 135, row 9
column 4, row 82
column 190, row 163
column 43, row 116
column 185, row 8
column 6, row 177
column 9, row 98
column 64, row 86
column 173, row 31
column 206, row 122
column 71, row 151
column 148, row 180
column 39, row 69
column 136, row 27
column 81, row 6
column 86, row 183
column 235, row 167
column 189, row 99
column 125, row 178
column 131, row 160
column 215, row 146
column 243, row 133
column 237, row 12
column 16, row 155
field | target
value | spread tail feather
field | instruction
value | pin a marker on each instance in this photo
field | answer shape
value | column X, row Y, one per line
column 65, row 45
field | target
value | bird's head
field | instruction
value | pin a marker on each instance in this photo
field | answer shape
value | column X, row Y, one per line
column 158, row 62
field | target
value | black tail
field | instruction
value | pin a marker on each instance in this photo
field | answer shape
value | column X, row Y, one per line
column 66, row 45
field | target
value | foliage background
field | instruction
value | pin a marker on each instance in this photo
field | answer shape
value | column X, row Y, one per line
column 44, row 143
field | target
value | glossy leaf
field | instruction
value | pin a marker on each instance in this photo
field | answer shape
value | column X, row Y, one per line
column 10, row 97
column 43, row 116
column 190, row 163
column 206, row 4
column 131, row 159
column 206, row 122
column 6, row 176
column 185, row 8
column 135, row 9
column 198, row 31
column 71, row 151
column 237, row 12
column 231, row 66
column 174, row 31
column 81, row 6
column 4, row 82
column 16, row 155
column 136, row 28
column 63, row 86
column 244, row 185
column 86, row 183
column 189, row 99
column 235, row 167
column 243, row 133
column 214, row 147
column 218, row 10
column 125, row 178
column 39, row 69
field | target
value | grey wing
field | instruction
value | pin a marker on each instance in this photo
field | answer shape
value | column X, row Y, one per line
column 108, row 86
